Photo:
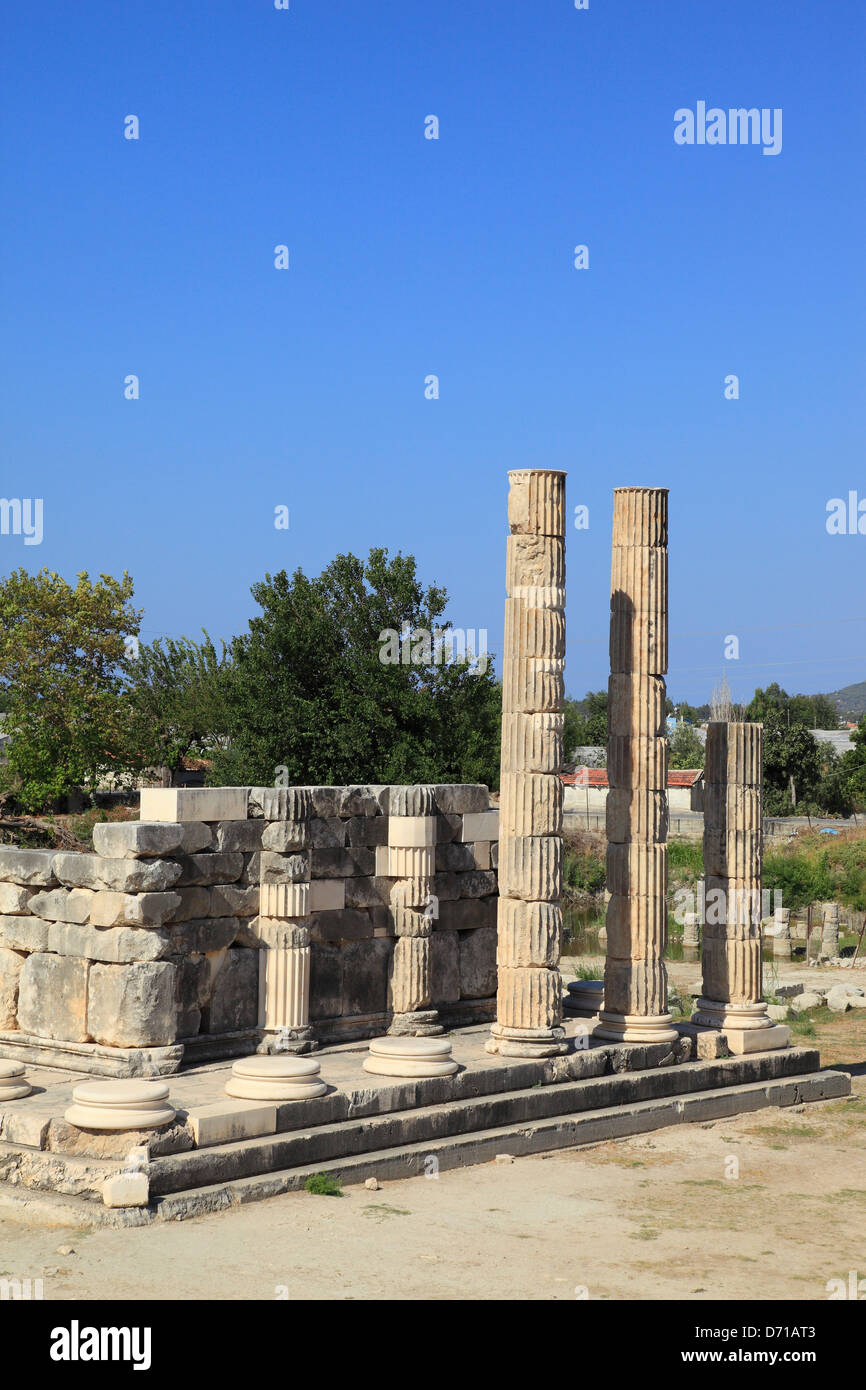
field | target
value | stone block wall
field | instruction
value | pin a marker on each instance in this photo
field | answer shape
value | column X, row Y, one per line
column 144, row 953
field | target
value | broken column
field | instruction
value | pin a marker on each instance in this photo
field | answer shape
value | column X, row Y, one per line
column 283, row 925
column 412, row 863
column 635, row 977
column 830, row 930
column 782, row 933
column 733, row 847
column 529, row 929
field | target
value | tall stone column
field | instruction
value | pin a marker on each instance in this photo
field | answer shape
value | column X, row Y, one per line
column 635, row 977
column 412, row 862
column 283, row 925
column 733, row 851
column 529, row 930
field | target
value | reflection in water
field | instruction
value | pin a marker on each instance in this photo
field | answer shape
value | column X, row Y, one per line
column 581, row 926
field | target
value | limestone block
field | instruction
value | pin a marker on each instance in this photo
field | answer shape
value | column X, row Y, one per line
column 127, row 909
column 412, row 862
column 196, row 837
column 234, row 1002
column 532, row 742
column 365, row 831
column 62, row 905
column 732, row 853
column 278, row 934
column 284, row 988
column 288, row 803
column 203, row 869
column 279, row 1077
column 239, row 836
column 478, row 884
column 636, row 705
column 52, row 997
column 482, row 825
column 14, row 899
column 635, row 814
column 528, row 933
column 203, row 934
column 532, row 685
column 530, row 803
column 477, row 962
column 402, row 1056
column 637, row 869
column 13, row 1082
column 365, row 976
column 193, row 803
column 444, row 967
column 411, row 832
column 528, row 997
column 347, row 924
column 534, row 562
column 286, row 836
column 23, row 933
column 32, row 867
column 460, row 798
column 284, row 899
column 419, row 800
column 117, row 945
column 126, row 1190
column 351, row 862
column 454, row 858
column 366, row 892
column 118, row 875
column 329, row 834
column 635, row 763
column 383, row 862
column 734, row 754
column 536, row 502
column 735, row 806
column 633, row 922
column 327, row 894
column 411, row 893
column 136, row 839
column 531, row 868
column 360, row 801
column 120, row 1105
column 533, row 632
column 481, row 854
column 198, row 902
column 233, row 900
column 11, row 965
column 640, row 516
column 326, row 981
column 132, row 1005
column 284, row 868
column 638, row 642
column 446, row 886
column 637, row 988
column 742, row 1041
column 410, row 974
column 466, row 913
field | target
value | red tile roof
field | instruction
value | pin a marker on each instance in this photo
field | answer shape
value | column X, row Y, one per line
column 597, row 777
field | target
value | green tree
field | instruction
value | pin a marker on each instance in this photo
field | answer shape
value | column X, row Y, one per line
column 311, row 700
column 177, row 691
column 853, row 767
column 686, row 749
column 585, row 723
column 792, row 765
column 61, row 654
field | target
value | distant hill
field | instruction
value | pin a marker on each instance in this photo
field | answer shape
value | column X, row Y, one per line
column 850, row 700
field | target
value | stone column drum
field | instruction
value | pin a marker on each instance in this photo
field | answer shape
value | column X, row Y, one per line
column 782, row 933
column 529, row 930
column 830, row 930
column 412, row 862
column 733, row 848
column 283, row 927
column 635, row 977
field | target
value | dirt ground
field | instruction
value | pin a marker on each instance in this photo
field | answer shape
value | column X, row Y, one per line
column 765, row 1207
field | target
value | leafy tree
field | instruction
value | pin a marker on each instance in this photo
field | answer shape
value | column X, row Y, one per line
column 585, row 723
column 853, row 767
column 310, row 699
column 685, row 748
column 61, row 653
column 177, row 690
column 792, row 765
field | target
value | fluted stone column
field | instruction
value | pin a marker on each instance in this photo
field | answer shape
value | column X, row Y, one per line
column 412, row 862
column 529, row 931
column 635, row 977
column 733, row 850
column 283, row 925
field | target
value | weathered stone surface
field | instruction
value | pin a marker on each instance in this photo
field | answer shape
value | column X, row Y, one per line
column 331, row 833
column 528, row 998
column 193, row 803
column 466, row 913
column 62, row 904
column 11, row 965
column 639, row 764
column 365, row 976
column 346, row 924
column 132, row 1005
column 409, row 984
column 358, row 801
column 326, row 981
column 352, row 862
column 446, row 886
column 411, row 832
column 136, row 839
column 285, row 836
column 244, row 836
column 534, row 562
column 367, row 892
column 218, row 867
column 24, row 933
column 285, row 868
column 193, row 983
column 532, row 742
column 369, row 831
column 455, row 799
column 196, row 836
column 118, row 875
column 52, row 997
column 477, row 884
column 477, row 959
column 203, row 934
column 529, row 934
column 412, row 861
column 199, row 902
column 281, row 803
column 284, row 899
column 533, row 685
column 636, row 815
column 530, row 804
column 233, row 900
column 454, row 858
column 14, row 899
column 234, row 1003
column 636, row 705
column 536, row 502
column 33, row 867
column 128, row 909
column 111, row 944
column 444, row 968
column 531, row 868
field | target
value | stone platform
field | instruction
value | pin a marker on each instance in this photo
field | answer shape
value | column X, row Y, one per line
column 220, row 1152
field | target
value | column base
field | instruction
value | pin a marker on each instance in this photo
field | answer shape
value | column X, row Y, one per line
column 526, row 1042
column 420, row 1023
column 584, row 998
column 291, row 1040
column 635, row 1028
column 713, row 1013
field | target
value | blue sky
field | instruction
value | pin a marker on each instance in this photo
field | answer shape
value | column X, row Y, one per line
column 453, row 257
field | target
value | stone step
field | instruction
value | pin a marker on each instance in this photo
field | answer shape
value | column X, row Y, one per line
column 425, row 1124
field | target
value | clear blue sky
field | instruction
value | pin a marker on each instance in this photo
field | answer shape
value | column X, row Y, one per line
column 409, row 257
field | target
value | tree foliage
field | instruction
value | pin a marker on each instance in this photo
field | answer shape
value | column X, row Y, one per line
column 177, row 690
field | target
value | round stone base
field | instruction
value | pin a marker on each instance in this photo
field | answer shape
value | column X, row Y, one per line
column 410, row 1057
column 12, row 1083
column 634, row 1028
column 279, row 1077
column 714, row 1014
column 584, row 996
column 422, row 1023
column 120, row 1105
column 526, row 1042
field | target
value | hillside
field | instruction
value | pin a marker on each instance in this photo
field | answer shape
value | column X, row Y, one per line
column 850, row 700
